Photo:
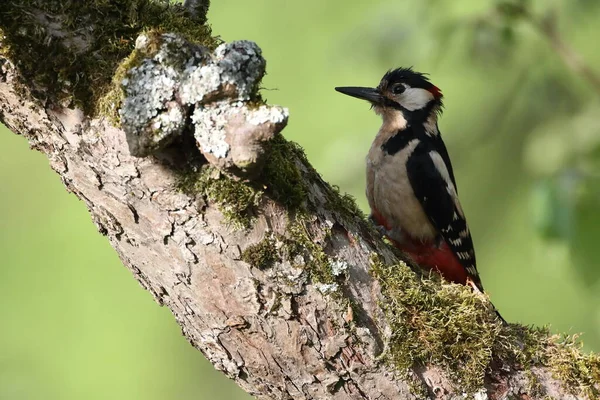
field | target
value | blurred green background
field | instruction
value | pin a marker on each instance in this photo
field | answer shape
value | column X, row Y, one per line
column 521, row 127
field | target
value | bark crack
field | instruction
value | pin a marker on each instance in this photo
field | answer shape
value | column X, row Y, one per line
column 272, row 274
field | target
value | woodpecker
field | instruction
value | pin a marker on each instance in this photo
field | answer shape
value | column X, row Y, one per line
column 411, row 187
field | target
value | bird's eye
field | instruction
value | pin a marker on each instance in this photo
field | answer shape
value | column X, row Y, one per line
column 397, row 89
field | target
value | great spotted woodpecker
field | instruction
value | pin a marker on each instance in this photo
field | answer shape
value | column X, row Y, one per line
column 411, row 188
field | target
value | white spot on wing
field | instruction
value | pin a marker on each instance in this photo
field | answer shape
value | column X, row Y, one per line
column 456, row 242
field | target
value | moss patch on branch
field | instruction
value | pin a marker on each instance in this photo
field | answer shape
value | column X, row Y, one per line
column 234, row 198
column 343, row 204
column 261, row 255
column 316, row 261
column 281, row 180
column 297, row 243
column 83, row 42
column 449, row 326
column 282, row 177
column 579, row 372
column 437, row 324
column 109, row 102
column 286, row 182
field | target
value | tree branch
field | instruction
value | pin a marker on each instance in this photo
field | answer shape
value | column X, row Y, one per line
column 547, row 26
column 272, row 274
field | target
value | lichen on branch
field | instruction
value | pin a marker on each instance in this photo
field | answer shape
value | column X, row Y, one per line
column 170, row 81
column 82, row 42
column 178, row 157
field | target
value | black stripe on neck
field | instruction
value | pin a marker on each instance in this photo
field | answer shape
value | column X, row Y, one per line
column 415, row 125
column 399, row 141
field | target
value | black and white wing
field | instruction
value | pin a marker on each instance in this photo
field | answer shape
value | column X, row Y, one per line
column 431, row 178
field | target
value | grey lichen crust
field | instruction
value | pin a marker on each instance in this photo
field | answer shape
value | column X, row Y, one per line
column 236, row 69
column 300, row 300
column 173, row 80
column 150, row 115
column 230, row 133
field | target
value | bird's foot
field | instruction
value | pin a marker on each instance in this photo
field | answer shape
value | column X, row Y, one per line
column 394, row 234
column 476, row 289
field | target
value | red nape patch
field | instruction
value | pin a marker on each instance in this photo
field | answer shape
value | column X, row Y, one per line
column 441, row 260
column 435, row 91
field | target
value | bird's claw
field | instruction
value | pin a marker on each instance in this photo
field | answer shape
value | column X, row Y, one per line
column 394, row 234
column 381, row 229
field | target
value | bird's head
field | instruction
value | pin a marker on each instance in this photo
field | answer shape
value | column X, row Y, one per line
column 403, row 90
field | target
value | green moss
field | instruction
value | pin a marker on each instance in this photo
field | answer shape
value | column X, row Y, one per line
column 579, row 372
column 79, row 68
column 297, row 243
column 449, row 326
column 281, row 176
column 417, row 387
column 109, row 103
column 522, row 345
column 534, row 386
column 343, row 203
column 317, row 263
column 286, row 181
column 445, row 325
column 235, row 199
column 261, row 255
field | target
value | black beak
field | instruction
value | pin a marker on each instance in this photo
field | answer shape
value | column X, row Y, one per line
column 365, row 93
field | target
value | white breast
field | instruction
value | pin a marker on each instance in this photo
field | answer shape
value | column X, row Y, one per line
column 390, row 193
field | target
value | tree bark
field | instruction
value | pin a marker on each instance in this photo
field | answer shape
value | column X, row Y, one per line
column 288, row 290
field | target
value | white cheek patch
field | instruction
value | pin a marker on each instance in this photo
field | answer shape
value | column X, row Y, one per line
column 415, row 98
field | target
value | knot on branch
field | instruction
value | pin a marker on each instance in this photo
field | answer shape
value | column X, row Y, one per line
column 173, row 80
